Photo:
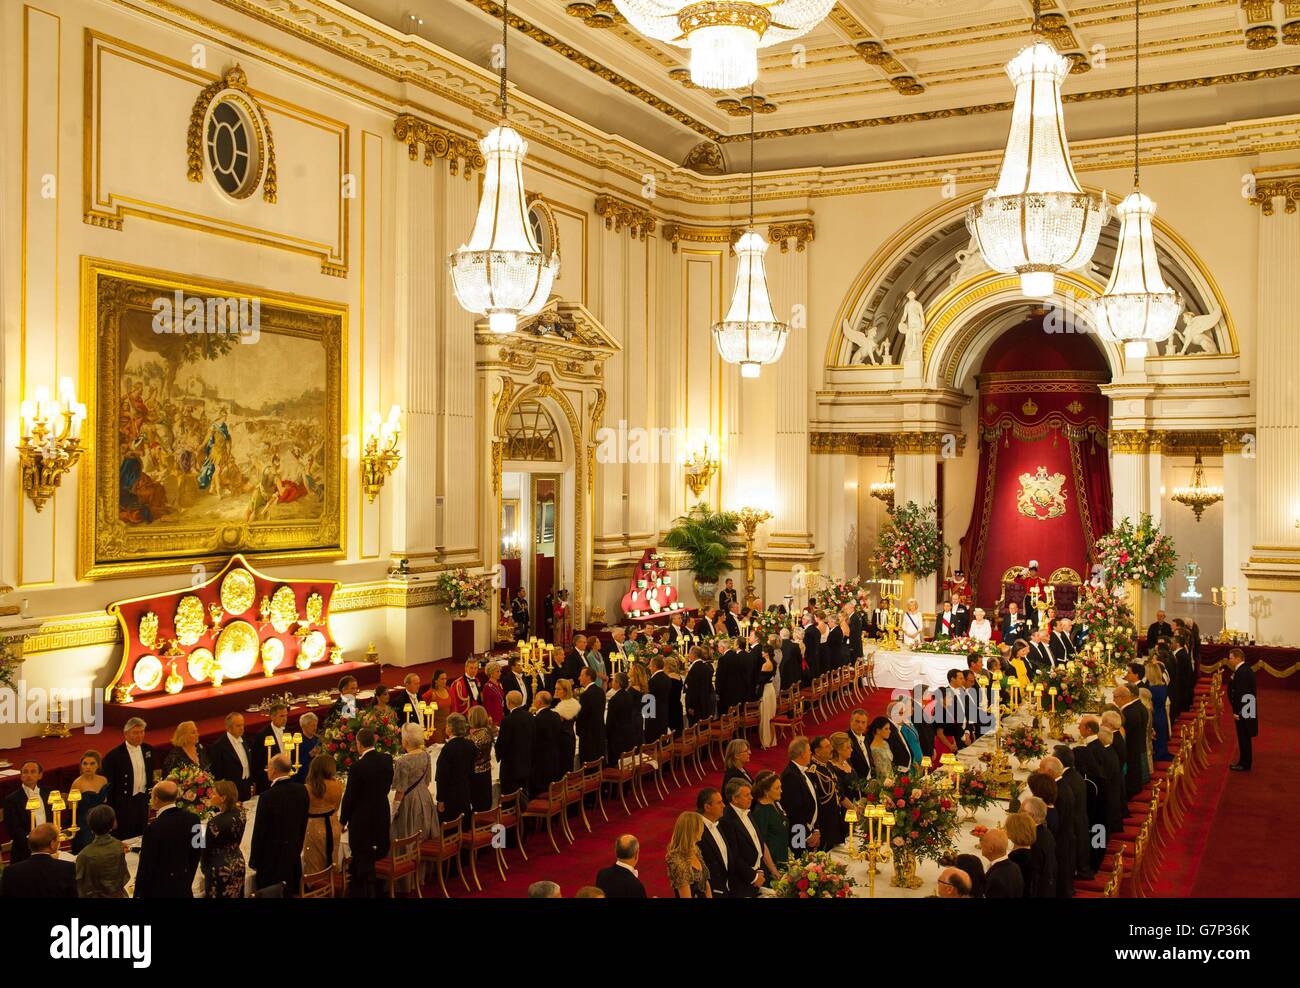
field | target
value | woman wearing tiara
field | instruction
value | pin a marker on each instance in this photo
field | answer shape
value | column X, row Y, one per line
column 913, row 624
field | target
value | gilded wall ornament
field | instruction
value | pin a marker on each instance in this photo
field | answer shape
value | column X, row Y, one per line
column 148, row 673
column 1041, row 496
column 284, row 609
column 148, row 630
column 238, row 591
column 190, row 621
column 233, row 86
column 237, row 649
column 315, row 607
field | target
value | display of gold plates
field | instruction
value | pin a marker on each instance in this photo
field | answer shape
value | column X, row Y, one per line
column 313, row 646
column 284, row 609
column 315, row 607
column 190, row 620
column 237, row 649
column 148, row 629
column 238, row 591
column 148, row 673
column 272, row 654
column 200, row 664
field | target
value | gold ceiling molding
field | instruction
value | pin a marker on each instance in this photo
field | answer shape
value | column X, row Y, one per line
column 438, row 142
column 1174, row 443
column 801, row 232
column 741, row 107
column 601, row 14
column 884, row 443
column 1268, row 189
column 706, row 158
column 619, row 213
column 675, row 232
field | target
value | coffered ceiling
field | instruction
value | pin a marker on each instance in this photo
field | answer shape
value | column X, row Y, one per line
column 883, row 79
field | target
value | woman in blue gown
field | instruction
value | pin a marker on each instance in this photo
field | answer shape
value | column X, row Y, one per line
column 1157, row 680
column 93, row 787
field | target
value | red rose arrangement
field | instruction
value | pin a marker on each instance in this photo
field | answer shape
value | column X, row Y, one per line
column 816, row 875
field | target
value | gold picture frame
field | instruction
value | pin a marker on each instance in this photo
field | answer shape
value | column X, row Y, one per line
column 111, row 546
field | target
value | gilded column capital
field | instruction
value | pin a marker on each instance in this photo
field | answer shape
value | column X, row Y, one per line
column 619, row 213
column 886, row 443
column 801, row 232
column 1268, row 189
column 438, row 142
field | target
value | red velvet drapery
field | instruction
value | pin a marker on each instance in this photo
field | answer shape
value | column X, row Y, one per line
column 1043, row 490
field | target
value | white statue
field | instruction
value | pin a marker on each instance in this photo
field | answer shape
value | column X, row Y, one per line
column 912, row 325
column 868, row 347
column 1197, row 331
column 971, row 263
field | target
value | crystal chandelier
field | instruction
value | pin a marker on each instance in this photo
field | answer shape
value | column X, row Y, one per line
column 501, row 272
column 1199, row 495
column 1037, row 220
column 750, row 335
column 1137, row 307
column 724, row 35
column 884, row 490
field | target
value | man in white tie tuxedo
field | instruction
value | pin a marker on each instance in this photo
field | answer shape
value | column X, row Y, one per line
column 945, row 623
column 714, row 851
column 1040, row 653
column 1062, row 646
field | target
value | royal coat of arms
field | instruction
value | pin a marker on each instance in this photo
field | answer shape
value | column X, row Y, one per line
column 1041, row 495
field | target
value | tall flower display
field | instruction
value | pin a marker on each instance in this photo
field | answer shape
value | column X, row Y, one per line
column 925, row 814
column 1110, row 631
column 462, row 593
column 1136, row 552
column 339, row 739
column 910, row 542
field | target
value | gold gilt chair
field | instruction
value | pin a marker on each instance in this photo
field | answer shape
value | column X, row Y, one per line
column 403, row 861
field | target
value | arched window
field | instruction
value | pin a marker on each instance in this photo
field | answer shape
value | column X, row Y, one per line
column 531, row 434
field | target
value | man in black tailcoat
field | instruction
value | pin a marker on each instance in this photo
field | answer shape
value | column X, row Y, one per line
column 1245, row 707
column 279, row 828
column 364, row 813
column 129, row 769
column 514, row 745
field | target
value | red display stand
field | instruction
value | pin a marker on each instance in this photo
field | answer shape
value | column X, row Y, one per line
column 651, row 595
column 462, row 638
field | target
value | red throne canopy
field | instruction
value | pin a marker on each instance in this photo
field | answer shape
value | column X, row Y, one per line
column 1043, row 490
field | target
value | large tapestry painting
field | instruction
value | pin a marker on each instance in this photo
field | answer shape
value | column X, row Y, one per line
column 216, row 423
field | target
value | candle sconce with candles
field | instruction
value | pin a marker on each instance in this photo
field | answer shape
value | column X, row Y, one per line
column 57, row 807
column 1223, row 598
column 51, row 440
column 380, row 456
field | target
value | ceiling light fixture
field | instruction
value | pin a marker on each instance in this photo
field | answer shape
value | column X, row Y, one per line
column 1137, row 306
column 501, row 272
column 724, row 35
column 1037, row 220
column 750, row 335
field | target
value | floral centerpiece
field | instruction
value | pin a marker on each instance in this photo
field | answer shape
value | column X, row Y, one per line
column 925, row 814
column 959, row 646
column 339, row 739
column 1024, row 742
column 975, row 792
column 832, row 597
column 1075, row 684
column 770, row 623
column 1139, row 553
column 197, row 790
column 910, row 542
column 1111, row 631
column 462, row 593
column 816, row 875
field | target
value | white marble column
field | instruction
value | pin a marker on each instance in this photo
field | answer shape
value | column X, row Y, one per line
column 1238, row 532
column 916, row 479
column 788, row 278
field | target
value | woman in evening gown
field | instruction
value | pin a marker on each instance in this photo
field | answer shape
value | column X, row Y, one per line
column 1157, row 680
column 845, row 777
column 94, row 790
column 440, row 695
column 767, row 698
column 882, row 756
column 324, row 794
column 676, row 712
column 185, row 749
column 482, row 734
column 222, row 858
column 687, row 872
column 770, row 821
column 412, row 773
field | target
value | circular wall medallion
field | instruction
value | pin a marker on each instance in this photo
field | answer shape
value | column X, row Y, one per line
column 147, row 673
column 238, row 591
column 237, row 649
column 284, row 609
column 200, row 664
column 232, row 143
column 190, row 620
column 272, row 654
column 313, row 646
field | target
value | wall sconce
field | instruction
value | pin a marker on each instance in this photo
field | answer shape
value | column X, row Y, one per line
column 700, row 468
column 380, row 457
column 49, row 448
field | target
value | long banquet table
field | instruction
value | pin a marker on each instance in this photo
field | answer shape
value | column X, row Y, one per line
column 899, row 669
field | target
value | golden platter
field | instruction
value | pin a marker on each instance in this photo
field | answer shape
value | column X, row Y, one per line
column 284, row 609
column 200, row 664
column 190, row 620
column 272, row 654
column 237, row 648
column 315, row 607
column 148, row 632
column 313, row 646
column 147, row 674
column 238, row 591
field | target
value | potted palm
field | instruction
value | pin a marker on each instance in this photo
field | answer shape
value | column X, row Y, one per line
column 702, row 536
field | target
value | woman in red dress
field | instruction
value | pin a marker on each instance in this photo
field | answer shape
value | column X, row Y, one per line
column 494, row 697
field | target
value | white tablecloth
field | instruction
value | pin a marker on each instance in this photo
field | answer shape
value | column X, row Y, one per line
column 903, row 670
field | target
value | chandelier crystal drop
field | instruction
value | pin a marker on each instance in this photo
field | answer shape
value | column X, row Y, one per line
column 724, row 35
column 1137, row 306
column 1199, row 495
column 502, row 272
column 1037, row 220
column 750, row 335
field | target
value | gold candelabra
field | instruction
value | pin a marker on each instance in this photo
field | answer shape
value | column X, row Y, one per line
column 57, row 808
column 1042, row 598
column 379, row 457
column 873, row 845
column 750, row 519
column 700, row 468
column 57, row 726
column 536, row 659
column 428, row 711
column 1223, row 598
column 891, row 592
column 49, row 448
